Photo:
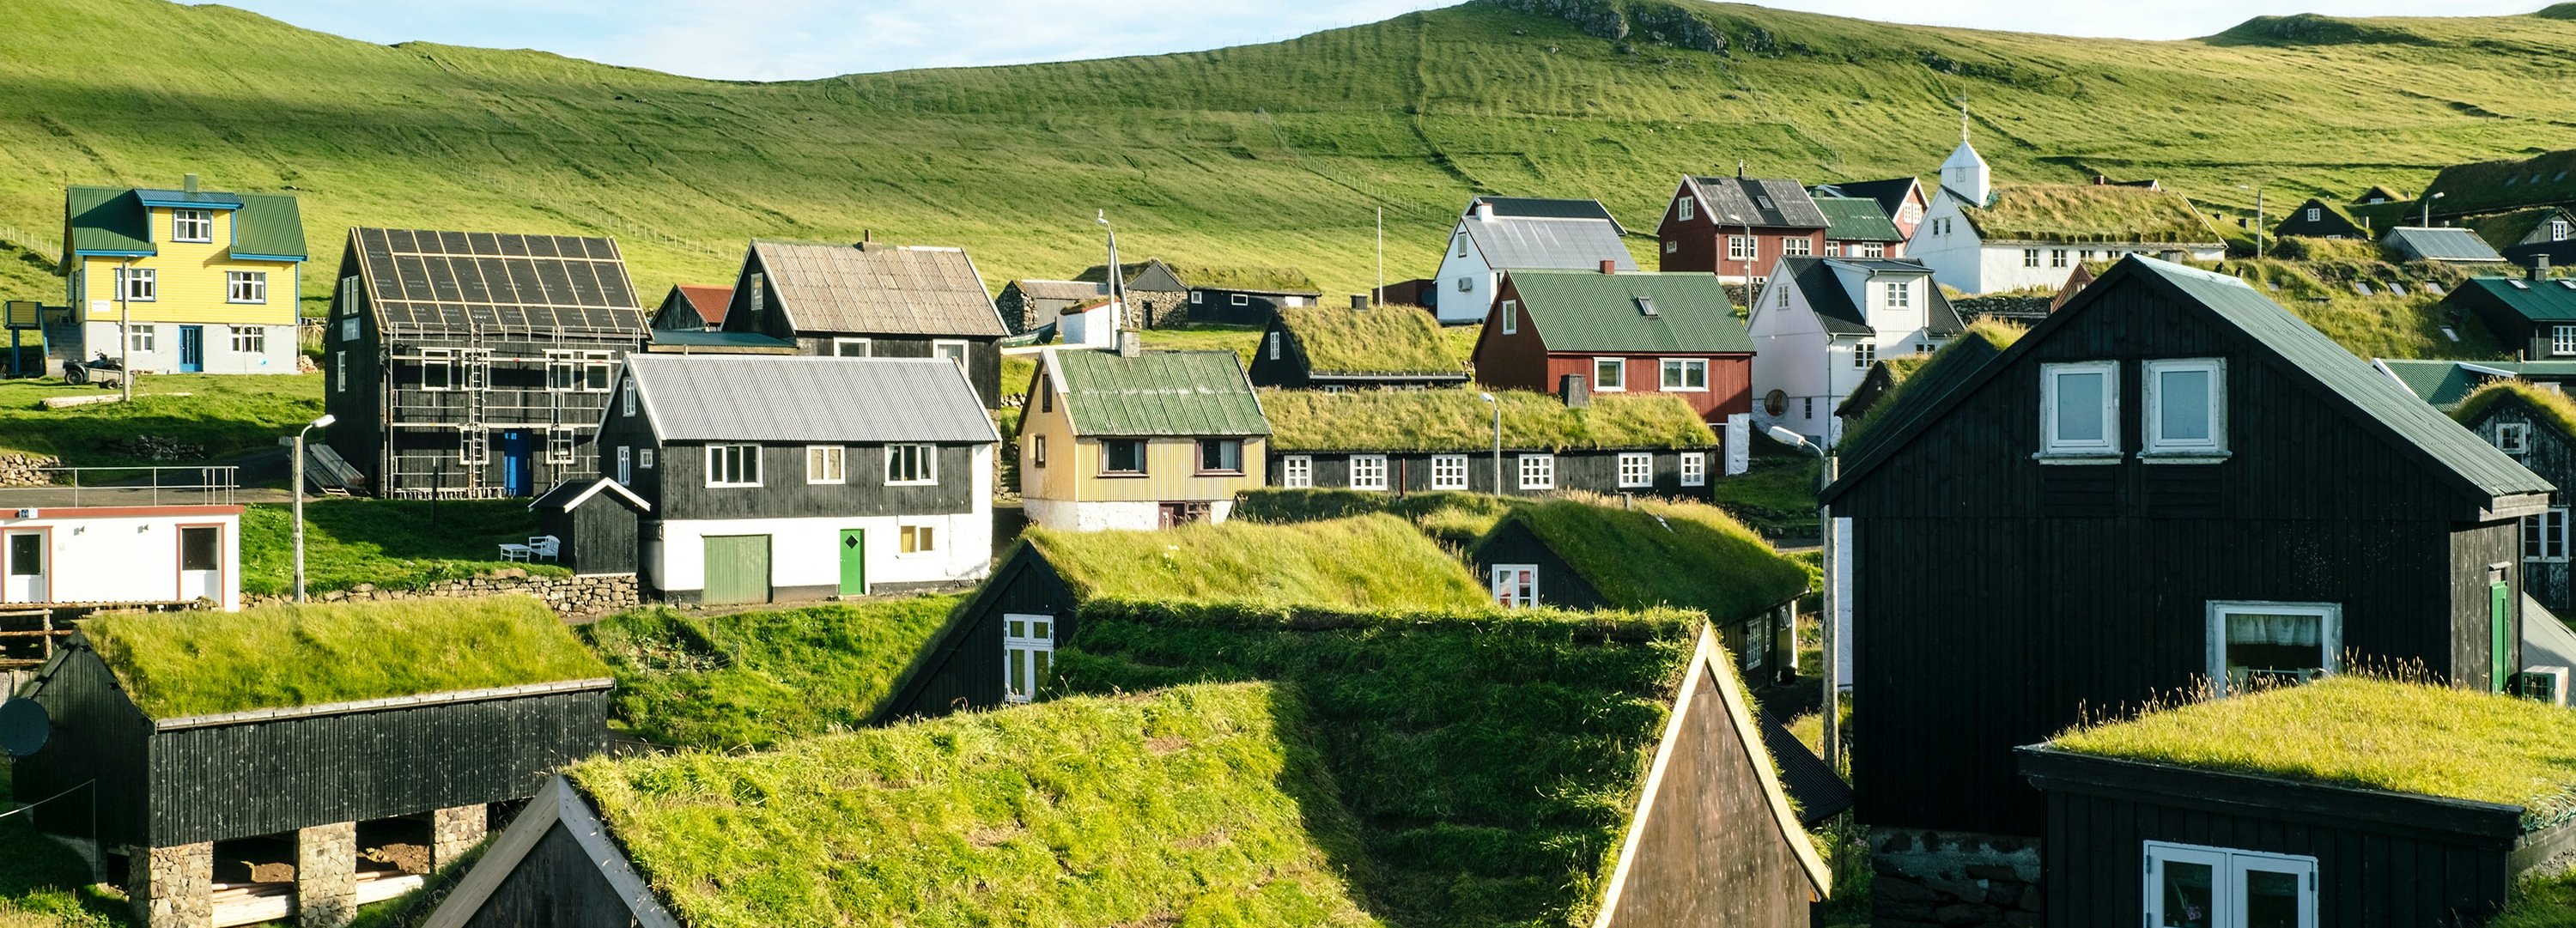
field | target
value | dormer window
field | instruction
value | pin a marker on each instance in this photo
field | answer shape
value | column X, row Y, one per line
column 1900, row 294
column 192, row 225
column 2186, row 412
column 2557, row 230
column 2079, row 410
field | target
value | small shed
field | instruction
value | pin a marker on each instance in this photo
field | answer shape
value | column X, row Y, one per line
column 1334, row 349
column 595, row 524
column 2446, row 245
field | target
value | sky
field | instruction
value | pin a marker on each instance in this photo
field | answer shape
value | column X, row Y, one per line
column 796, row 39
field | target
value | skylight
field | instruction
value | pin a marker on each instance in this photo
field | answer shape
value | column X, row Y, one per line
column 1646, row 305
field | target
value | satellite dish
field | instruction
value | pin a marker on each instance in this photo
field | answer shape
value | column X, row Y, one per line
column 23, row 727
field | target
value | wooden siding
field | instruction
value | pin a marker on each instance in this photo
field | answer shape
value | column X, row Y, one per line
column 1711, row 853
column 1517, row 360
column 680, row 488
column 1216, row 307
column 983, row 354
column 1523, row 361
column 97, row 734
column 600, row 537
column 2106, row 569
column 2551, row 454
column 962, row 668
column 555, row 885
column 1700, row 245
column 189, row 285
column 1559, row 585
column 1591, row 471
column 1171, row 470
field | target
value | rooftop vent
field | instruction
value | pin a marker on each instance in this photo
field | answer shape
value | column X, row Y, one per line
column 1646, row 305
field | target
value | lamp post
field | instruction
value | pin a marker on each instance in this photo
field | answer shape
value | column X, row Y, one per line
column 2428, row 208
column 1498, row 441
column 298, row 490
column 1117, row 305
column 1828, row 612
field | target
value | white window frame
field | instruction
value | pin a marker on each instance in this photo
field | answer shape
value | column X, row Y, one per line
column 1238, row 299
column 1864, row 354
column 1636, row 470
column 1200, row 296
column 563, row 371
column 1515, row 586
column 340, row 372
column 2227, row 871
column 644, row 458
column 2513, row 438
column 249, row 339
column 245, row 286
column 1741, row 248
column 1272, row 341
column 1037, row 450
column 138, row 284
column 1685, row 209
column 1873, row 249
column 559, row 445
column 827, row 464
column 1537, row 472
column 2057, row 257
column 202, row 219
column 2558, row 230
column 746, row 459
column 1613, row 384
column 921, row 537
column 1673, row 375
column 1672, row 247
column 1834, row 249
column 1899, row 294
column 2562, row 339
column 2544, row 536
column 626, row 402
column 2030, row 257
column 1694, row 468
column 441, row 359
column 1448, row 472
column 1798, row 247
column 1466, row 283
column 923, row 455
column 1144, row 457
column 625, row 465
column 1511, row 317
column 1297, row 471
column 867, row 347
column 2052, row 446
column 2329, row 634
column 1028, row 646
column 2156, row 442
column 938, row 346
column 141, row 337
column 1368, row 472
column 596, row 367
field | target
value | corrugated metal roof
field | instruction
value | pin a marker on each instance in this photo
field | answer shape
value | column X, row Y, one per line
column 1541, row 208
column 104, row 220
column 159, row 196
column 2453, row 244
column 1561, row 244
column 2536, row 300
column 269, row 225
column 1889, row 194
column 767, row 398
column 1593, row 311
column 879, row 289
column 1833, row 305
column 1854, row 219
column 1757, row 201
column 2441, row 383
column 115, row 220
column 420, row 280
column 1157, row 393
column 707, row 300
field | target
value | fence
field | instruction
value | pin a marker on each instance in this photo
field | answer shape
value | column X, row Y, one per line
column 151, row 486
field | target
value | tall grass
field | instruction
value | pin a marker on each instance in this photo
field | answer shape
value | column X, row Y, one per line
column 1373, row 562
column 757, row 679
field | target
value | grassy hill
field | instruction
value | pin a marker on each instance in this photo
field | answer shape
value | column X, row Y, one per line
column 1259, row 155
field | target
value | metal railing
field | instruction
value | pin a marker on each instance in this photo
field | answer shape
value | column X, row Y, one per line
column 127, row 486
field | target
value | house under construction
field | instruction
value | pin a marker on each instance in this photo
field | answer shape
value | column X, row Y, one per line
column 474, row 364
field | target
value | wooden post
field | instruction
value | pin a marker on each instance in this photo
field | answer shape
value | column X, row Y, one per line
column 1831, row 709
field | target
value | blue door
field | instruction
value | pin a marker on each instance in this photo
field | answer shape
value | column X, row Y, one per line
column 192, row 349
column 516, row 478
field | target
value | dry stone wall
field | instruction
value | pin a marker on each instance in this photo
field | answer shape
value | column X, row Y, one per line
column 1932, row 879
column 26, row 470
column 580, row 595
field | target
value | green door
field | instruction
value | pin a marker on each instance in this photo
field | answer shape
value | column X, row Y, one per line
column 854, row 562
column 737, row 569
column 2500, row 628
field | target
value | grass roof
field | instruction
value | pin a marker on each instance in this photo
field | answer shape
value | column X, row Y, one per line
column 1453, row 516
column 1459, row 420
column 756, row 679
column 2090, row 213
column 2369, row 733
column 274, row 657
column 1198, row 805
column 2504, row 230
column 1666, row 553
column 1341, row 340
column 2550, row 406
column 2383, row 324
column 1257, row 279
column 1373, row 562
column 1982, row 341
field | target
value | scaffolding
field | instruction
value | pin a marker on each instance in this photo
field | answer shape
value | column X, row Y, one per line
column 546, row 383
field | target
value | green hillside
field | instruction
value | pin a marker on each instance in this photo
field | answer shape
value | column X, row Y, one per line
column 1259, row 155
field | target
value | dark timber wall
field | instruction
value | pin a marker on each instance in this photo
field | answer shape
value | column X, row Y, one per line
column 963, row 669
column 2551, row 454
column 1711, row 852
column 555, row 886
column 1558, row 584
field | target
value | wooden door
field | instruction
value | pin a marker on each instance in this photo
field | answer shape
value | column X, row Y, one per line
column 737, row 570
column 854, row 562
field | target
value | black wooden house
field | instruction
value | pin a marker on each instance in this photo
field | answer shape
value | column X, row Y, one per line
column 2533, row 314
column 1404, row 441
column 872, row 300
column 2538, row 428
column 2188, row 484
column 595, row 525
column 474, row 364
column 1162, row 294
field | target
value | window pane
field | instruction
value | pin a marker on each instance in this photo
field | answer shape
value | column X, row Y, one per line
column 2260, row 645
column 2184, row 396
column 2186, row 889
column 2079, row 406
column 2271, row 899
column 198, row 548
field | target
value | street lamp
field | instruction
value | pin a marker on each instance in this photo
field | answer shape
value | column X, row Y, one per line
column 1829, row 610
column 1498, row 441
column 298, row 490
column 2428, row 208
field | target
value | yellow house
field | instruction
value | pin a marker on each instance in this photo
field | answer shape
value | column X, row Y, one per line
column 186, row 280
column 1138, row 440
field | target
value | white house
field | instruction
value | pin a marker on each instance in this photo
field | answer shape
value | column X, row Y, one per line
column 121, row 554
column 771, row 478
column 1979, row 238
column 1821, row 322
column 1498, row 234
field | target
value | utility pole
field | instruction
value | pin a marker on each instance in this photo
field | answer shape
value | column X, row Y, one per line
column 1117, row 285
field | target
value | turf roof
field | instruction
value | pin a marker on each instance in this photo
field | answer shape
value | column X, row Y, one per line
column 2549, row 406
column 2368, row 733
column 2504, row 230
column 1665, row 553
column 2090, row 213
column 1459, row 420
column 756, row 679
column 1342, row 340
column 1916, row 382
column 274, row 657
column 1373, row 562
column 2487, row 186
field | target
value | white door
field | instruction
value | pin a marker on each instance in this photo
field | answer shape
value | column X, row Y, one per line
column 1028, row 645
column 201, row 562
column 22, row 576
column 1515, row 585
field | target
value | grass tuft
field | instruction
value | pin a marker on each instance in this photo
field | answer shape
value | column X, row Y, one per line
column 2551, row 406
column 758, row 679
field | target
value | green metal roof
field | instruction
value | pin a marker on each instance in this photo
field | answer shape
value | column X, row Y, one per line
column 2536, row 300
column 1592, row 311
column 1158, row 393
column 269, row 225
column 2441, row 383
column 104, row 220
column 1854, row 219
column 114, row 221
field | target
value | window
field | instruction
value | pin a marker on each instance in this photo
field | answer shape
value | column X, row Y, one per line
column 139, row 337
column 2088, row 254
column 2057, row 257
column 2562, row 339
column 1910, row 212
column 1899, row 293
column 2558, row 230
column 1873, row 249
column 1297, row 471
column 1835, row 249
column 1028, row 642
column 1272, row 340
column 911, row 465
column 2079, row 409
column 2544, row 535
column 559, row 444
column 1122, row 456
column 954, row 351
column 1037, row 450
column 1739, row 248
column 1368, row 471
column 2208, row 887
column 1784, row 297
column 759, row 291
column 2186, row 406
column 349, row 329
column 2030, row 257
column 1538, row 471
column 340, row 373
column 1240, row 300
column 2254, row 644
column 627, row 399
column 192, row 225
column 2512, row 437
column 2315, row 214
column 1672, row 247
column 1462, row 252
column 1220, row 455
column 733, row 465
column 138, row 284
column 644, row 458
column 1685, row 375
column 249, row 339
column 1448, row 472
column 625, row 464
column 246, row 286
column 917, row 539
column 1685, row 208
column 1797, row 246
column 1610, row 375
column 852, row 347
column 1864, row 354
column 1046, row 395
column 1515, row 586
column 438, row 369
column 1465, row 284
column 1512, row 317
column 1694, row 468
column 1636, row 469
column 563, row 371
column 824, row 464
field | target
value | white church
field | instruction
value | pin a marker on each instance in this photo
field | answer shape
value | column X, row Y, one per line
column 1979, row 238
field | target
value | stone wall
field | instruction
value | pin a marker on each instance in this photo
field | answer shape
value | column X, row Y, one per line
column 173, row 887
column 454, row 831
column 326, row 875
column 589, row 594
column 24, row 470
column 1932, row 879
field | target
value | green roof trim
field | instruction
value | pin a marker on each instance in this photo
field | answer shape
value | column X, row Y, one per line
column 1157, row 393
column 1592, row 311
column 1460, row 420
column 1665, row 554
column 1341, row 340
column 175, row 665
column 2090, row 213
column 1368, row 563
column 1200, row 804
column 1857, row 219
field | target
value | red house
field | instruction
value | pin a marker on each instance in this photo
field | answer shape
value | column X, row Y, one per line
column 1621, row 333
column 1737, row 227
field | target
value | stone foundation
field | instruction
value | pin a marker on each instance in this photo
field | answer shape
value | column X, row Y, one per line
column 589, row 594
column 452, row 832
column 26, row 470
column 1934, row 879
column 173, row 887
column 326, row 875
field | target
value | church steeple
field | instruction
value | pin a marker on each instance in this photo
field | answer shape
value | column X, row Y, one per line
column 1966, row 173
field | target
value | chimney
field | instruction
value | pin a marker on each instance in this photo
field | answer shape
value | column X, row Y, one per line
column 1359, row 301
column 188, row 182
column 1484, row 209
column 1609, row 265
column 1129, row 345
column 1575, row 390
column 2540, row 267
